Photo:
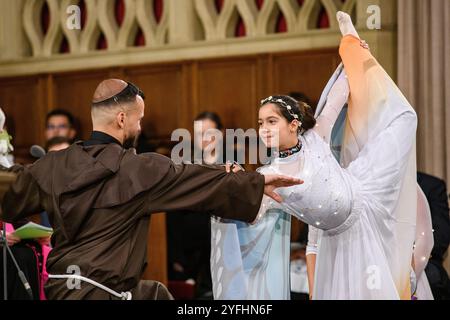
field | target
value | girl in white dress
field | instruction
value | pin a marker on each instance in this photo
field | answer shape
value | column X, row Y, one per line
column 361, row 210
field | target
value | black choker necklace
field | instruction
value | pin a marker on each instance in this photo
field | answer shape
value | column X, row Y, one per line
column 291, row 151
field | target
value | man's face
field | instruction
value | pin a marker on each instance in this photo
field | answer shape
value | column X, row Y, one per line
column 132, row 124
column 59, row 126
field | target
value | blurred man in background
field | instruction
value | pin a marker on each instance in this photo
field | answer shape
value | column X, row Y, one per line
column 60, row 123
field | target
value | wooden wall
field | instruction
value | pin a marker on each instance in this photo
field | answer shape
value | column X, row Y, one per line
column 176, row 92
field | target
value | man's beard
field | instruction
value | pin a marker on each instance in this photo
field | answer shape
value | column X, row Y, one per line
column 131, row 141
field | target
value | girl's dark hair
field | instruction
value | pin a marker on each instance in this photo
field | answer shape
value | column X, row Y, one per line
column 304, row 112
column 214, row 117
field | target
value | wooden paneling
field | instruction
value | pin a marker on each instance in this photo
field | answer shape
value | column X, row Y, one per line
column 157, row 250
column 176, row 92
column 230, row 89
column 74, row 92
column 165, row 98
column 307, row 72
column 22, row 99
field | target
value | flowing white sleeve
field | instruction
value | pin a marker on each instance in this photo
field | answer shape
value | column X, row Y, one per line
column 313, row 241
column 336, row 99
column 4, row 143
column 423, row 246
column 424, row 234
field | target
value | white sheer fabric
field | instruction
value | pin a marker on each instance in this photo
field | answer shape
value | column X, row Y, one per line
column 5, row 146
column 361, row 210
column 336, row 99
column 368, row 218
column 423, row 246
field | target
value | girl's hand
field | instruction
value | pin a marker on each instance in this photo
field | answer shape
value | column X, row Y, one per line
column 365, row 45
column 12, row 239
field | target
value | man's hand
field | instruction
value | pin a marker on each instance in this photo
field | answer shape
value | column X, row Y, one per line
column 12, row 239
column 233, row 167
column 276, row 181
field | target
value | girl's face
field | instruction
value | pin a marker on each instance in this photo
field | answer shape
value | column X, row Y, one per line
column 275, row 130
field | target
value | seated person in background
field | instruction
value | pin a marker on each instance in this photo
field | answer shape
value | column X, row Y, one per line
column 31, row 256
column 188, row 233
column 436, row 192
column 60, row 123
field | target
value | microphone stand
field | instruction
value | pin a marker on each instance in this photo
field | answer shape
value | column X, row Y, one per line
column 6, row 179
column 23, row 279
column 5, row 274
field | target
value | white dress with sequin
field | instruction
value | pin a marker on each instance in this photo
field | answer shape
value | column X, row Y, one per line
column 351, row 223
column 361, row 210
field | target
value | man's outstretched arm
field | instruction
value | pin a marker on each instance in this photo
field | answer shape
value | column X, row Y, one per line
column 212, row 190
column 22, row 199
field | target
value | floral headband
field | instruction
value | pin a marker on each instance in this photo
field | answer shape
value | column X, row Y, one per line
column 282, row 104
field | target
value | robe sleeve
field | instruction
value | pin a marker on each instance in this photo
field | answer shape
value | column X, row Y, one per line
column 210, row 190
column 23, row 198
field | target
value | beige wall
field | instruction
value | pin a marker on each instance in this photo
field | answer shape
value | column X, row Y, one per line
column 189, row 29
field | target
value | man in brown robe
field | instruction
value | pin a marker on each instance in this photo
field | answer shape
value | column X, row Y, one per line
column 99, row 196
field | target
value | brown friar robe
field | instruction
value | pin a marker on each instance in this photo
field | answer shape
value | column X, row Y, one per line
column 99, row 199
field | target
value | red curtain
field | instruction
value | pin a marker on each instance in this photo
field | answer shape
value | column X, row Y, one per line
column 219, row 5
column 140, row 39
column 119, row 11
column 158, row 9
column 102, row 43
column 45, row 18
column 240, row 28
column 84, row 13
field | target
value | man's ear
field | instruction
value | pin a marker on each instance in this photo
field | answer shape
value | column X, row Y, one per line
column 121, row 119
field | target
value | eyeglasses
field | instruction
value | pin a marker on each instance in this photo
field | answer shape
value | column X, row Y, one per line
column 57, row 127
